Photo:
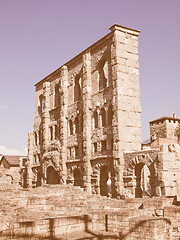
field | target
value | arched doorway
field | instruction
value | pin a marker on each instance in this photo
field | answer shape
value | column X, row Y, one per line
column 77, row 177
column 103, row 181
column 52, row 176
column 143, row 186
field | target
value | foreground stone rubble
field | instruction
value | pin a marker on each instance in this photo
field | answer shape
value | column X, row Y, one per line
column 67, row 212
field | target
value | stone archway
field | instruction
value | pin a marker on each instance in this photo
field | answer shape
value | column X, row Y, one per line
column 101, row 179
column 140, row 176
column 52, row 176
column 143, row 185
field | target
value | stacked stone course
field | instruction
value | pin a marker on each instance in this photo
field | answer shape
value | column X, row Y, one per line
column 64, row 212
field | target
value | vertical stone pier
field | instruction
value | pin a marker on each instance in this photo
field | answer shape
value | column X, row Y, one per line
column 45, row 120
column 87, row 121
column 126, row 98
column 46, row 117
column 63, row 123
column 30, row 159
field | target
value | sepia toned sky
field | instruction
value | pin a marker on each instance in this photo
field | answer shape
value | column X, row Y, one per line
column 38, row 36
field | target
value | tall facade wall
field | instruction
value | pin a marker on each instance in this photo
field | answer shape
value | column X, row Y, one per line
column 87, row 113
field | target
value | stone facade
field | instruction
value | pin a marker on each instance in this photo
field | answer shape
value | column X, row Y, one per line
column 87, row 127
column 87, row 113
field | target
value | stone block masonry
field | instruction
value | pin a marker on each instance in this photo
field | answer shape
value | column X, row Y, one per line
column 67, row 212
column 87, row 113
column 87, row 127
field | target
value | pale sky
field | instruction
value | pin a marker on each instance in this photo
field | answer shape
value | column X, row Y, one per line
column 38, row 36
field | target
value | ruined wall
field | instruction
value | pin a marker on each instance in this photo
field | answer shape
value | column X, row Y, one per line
column 141, row 173
column 88, row 112
column 61, row 211
column 168, row 169
column 154, row 172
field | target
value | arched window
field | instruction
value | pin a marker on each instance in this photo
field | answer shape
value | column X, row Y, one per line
column 57, row 96
column 95, row 120
column 103, row 146
column 110, row 115
column 35, row 138
column 40, row 137
column 95, row 147
column 103, row 117
column 77, row 125
column 70, row 127
column 56, row 132
column 143, row 184
column 77, row 88
column 104, row 75
column 51, row 133
column 41, row 104
column 76, row 152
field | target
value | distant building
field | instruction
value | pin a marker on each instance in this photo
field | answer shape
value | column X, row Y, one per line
column 162, row 130
column 9, row 169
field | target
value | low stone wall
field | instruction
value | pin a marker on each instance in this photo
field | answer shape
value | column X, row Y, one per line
column 48, row 227
column 173, row 213
column 120, row 225
column 147, row 228
column 139, row 227
column 42, row 212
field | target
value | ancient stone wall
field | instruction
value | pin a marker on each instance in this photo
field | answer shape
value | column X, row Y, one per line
column 87, row 113
column 153, row 172
column 61, row 211
column 141, row 173
column 168, row 166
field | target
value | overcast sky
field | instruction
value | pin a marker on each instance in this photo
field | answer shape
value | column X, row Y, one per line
column 38, row 36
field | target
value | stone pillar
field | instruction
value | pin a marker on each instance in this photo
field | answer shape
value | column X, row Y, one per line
column 63, row 123
column 87, row 121
column 168, row 169
column 45, row 115
column 126, row 98
column 30, row 159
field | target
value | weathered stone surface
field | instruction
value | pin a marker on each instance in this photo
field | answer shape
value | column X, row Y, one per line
column 87, row 126
column 89, row 109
